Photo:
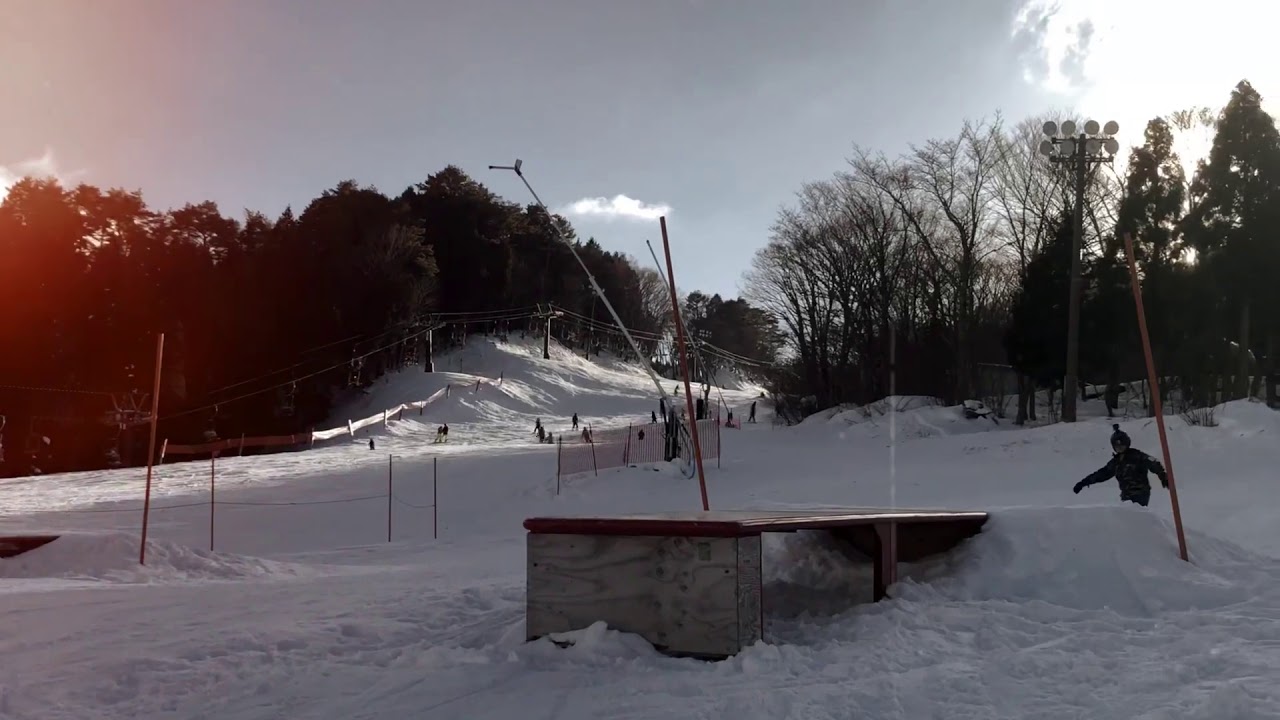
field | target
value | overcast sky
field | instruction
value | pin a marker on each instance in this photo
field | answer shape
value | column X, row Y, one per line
column 710, row 111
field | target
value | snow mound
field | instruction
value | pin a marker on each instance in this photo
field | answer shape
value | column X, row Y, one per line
column 913, row 417
column 597, row 644
column 1120, row 559
column 809, row 574
column 113, row 557
column 1244, row 419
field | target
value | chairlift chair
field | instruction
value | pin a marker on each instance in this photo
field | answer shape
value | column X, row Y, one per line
column 211, row 433
column 353, row 374
column 288, row 402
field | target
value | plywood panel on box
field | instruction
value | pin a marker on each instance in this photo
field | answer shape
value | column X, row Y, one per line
column 681, row 594
column 750, row 590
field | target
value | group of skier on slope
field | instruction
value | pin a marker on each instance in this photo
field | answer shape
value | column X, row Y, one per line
column 545, row 436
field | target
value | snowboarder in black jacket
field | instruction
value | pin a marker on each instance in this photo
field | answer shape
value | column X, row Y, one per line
column 1129, row 467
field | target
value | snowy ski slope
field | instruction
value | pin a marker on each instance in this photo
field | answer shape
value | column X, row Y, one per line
column 1066, row 606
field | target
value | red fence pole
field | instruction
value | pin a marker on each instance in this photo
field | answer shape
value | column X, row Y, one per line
column 435, row 500
column 389, row 457
column 213, row 474
column 1155, row 396
column 151, row 448
column 559, row 452
column 626, row 451
column 594, row 466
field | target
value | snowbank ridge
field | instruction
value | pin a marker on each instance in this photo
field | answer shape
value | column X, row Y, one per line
column 113, row 556
column 1120, row 559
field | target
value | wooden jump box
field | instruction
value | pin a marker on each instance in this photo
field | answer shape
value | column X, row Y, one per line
column 691, row 583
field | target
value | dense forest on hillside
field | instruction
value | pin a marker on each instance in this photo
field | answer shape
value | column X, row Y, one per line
column 269, row 322
column 953, row 260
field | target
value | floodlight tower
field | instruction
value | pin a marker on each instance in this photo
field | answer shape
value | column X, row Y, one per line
column 1094, row 146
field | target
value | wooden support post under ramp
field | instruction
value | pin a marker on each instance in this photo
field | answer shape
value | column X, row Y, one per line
column 692, row 583
column 15, row 545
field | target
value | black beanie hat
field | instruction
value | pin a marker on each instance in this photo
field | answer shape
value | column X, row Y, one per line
column 1119, row 436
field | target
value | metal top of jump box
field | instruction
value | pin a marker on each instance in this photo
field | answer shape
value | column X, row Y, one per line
column 741, row 523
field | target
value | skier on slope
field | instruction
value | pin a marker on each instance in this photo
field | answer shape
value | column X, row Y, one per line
column 1129, row 466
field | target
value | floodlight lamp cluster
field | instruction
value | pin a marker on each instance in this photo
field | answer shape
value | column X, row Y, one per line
column 1064, row 142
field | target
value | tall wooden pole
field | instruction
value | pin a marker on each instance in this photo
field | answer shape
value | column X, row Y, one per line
column 151, row 447
column 213, row 499
column 684, row 366
column 1155, row 395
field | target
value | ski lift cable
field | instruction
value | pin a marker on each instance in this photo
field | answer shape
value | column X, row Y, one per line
column 478, row 315
column 697, row 343
column 598, row 326
column 529, row 309
column 737, row 356
column 74, row 391
column 506, row 314
column 725, row 354
column 603, row 326
column 317, row 373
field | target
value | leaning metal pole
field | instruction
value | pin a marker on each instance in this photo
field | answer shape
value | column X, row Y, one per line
column 595, row 286
column 1154, row 380
column 590, row 278
column 684, row 367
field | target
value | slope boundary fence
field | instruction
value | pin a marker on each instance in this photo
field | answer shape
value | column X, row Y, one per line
column 304, row 441
column 409, row 498
column 630, row 447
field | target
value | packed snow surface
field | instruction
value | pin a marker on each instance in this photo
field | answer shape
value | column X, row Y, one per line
column 1065, row 606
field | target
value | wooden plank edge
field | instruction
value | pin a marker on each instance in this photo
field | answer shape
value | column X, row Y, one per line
column 732, row 528
column 15, row 545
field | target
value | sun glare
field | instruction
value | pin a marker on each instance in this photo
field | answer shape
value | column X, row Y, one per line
column 45, row 166
column 1135, row 60
column 6, row 181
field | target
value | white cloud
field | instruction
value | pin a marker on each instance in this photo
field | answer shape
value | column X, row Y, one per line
column 45, row 166
column 1170, row 52
column 1134, row 60
column 619, row 206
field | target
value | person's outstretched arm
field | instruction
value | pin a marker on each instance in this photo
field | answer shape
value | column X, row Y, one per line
column 1102, row 474
column 1154, row 466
